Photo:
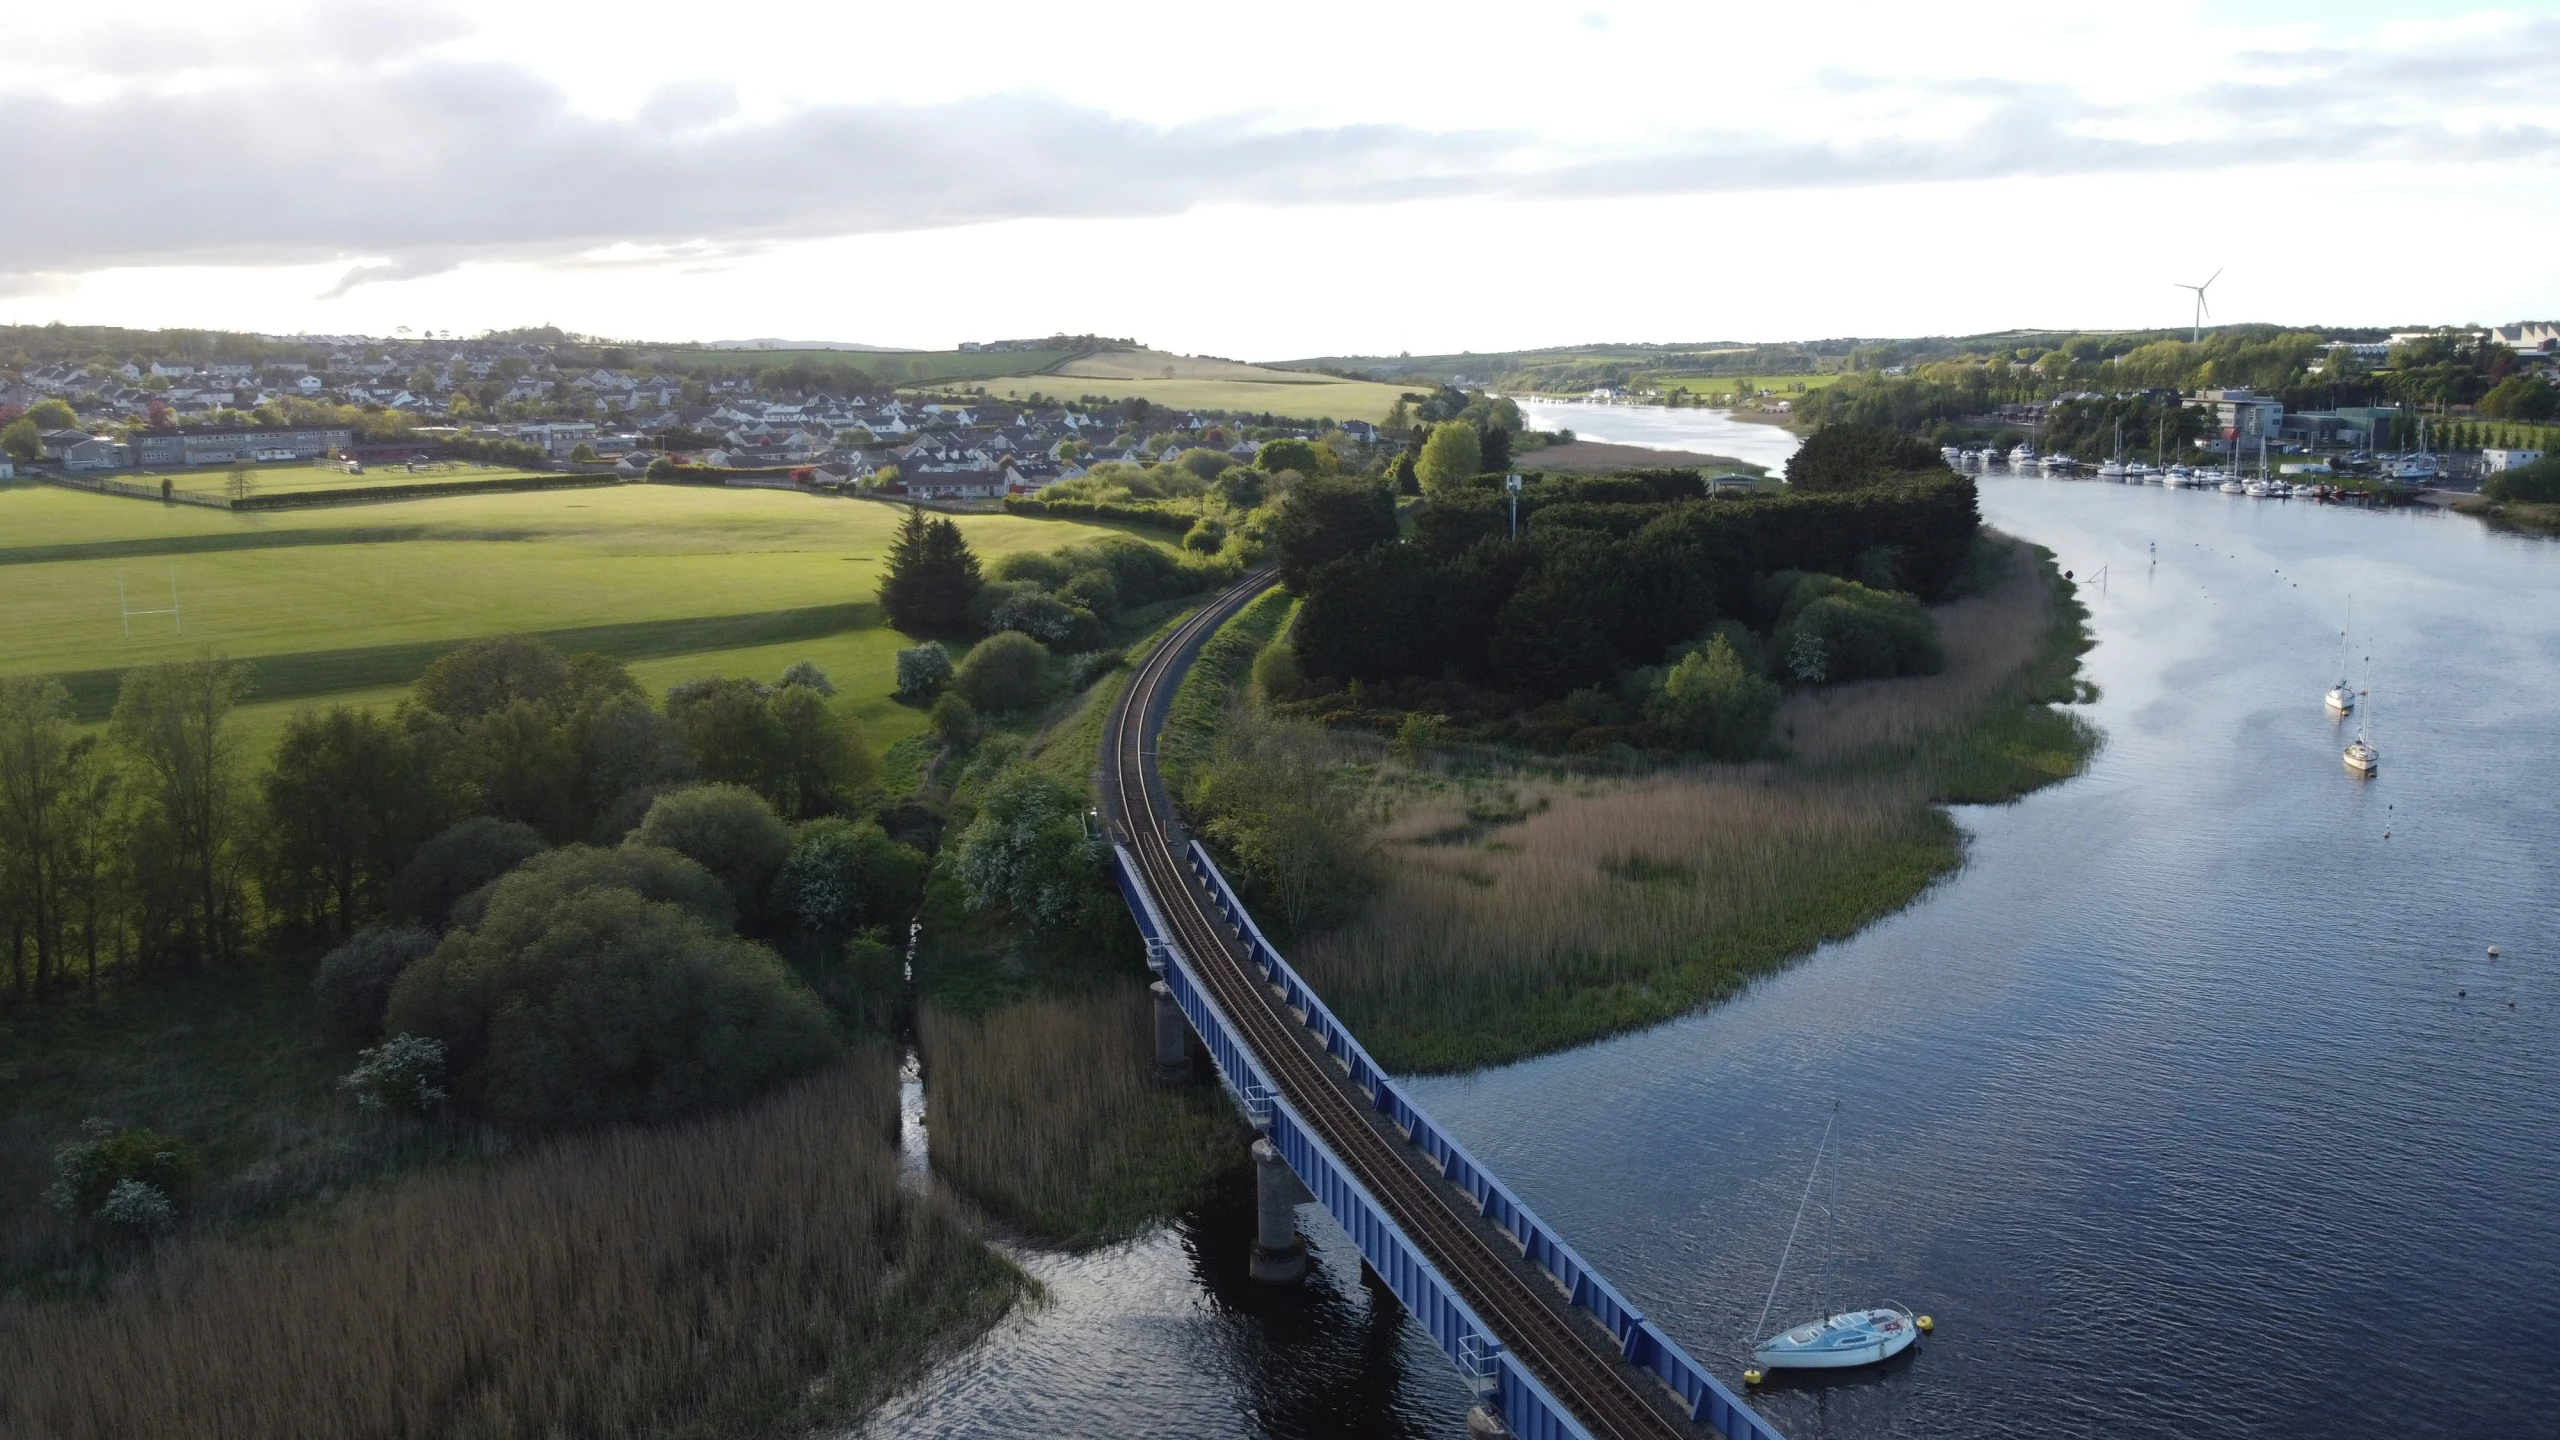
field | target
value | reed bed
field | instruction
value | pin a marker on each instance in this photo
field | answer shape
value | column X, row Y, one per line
column 1612, row 905
column 1524, row 914
column 1988, row 639
column 753, row 1273
column 1047, row 1113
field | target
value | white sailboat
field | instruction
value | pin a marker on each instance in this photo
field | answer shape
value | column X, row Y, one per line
column 2341, row 700
column 2362, row 758
column 1839, row 1340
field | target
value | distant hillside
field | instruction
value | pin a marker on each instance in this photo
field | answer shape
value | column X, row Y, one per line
column 769, row 343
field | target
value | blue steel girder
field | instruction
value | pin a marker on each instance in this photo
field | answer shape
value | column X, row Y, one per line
column 1526, row 1404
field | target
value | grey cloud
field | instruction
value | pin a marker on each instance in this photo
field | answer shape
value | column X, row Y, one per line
column 435, row 164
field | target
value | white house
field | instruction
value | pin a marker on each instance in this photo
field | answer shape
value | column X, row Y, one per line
column 2496, row 460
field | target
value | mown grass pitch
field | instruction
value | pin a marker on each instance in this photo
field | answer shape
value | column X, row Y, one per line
column 351, row 603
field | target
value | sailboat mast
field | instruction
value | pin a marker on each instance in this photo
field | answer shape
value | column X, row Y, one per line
column 1761, row 1326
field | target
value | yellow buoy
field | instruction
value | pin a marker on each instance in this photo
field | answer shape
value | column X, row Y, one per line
column 1750, row 1377
column 1925, row 1324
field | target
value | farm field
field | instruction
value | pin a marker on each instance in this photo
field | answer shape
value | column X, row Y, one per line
column 1199, row 383
column 353, row 604
column 1724, row 384
column 287, row 479
column 900, row 367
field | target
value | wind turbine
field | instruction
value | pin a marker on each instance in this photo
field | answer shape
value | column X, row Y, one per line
column 2202, row 309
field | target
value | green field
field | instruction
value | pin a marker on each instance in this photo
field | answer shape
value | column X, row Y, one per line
column 1784, row 385
column 352, row 604
column 294, row 478
column 899, row 367
column 1196, row 382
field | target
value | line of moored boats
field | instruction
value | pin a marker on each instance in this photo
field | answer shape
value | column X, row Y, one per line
column 2025, row 461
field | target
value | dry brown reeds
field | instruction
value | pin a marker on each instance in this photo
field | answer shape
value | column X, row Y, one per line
column 1047, row 1113
column 752, row 1273
column 1610, row 905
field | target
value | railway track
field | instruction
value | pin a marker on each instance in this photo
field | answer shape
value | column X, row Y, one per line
column 1529, row 1325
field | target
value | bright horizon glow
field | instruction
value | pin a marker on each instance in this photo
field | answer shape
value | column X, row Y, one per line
column 1273, row 183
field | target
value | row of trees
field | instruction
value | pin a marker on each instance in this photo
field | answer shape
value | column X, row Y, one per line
column 159, row 843
column 1607, row 574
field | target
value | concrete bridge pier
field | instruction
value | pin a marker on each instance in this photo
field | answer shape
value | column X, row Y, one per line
column 1279, row 1252
column 1173, row 1038
column 1484, row 1424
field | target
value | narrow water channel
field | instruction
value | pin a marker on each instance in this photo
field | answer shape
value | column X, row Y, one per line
column 2192, row 1104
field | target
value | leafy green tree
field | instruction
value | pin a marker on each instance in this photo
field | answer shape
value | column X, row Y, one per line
column 1006, row 672
column 1290, row 453
column 930, row 578
column 955, row 720
column 2521, row 397
column 923, row 669
column 581, row 1008
column 1325, row 520
column 186, row 817
column 348, row 800
column 352, row 987
column 488, row 675
column 21, row 440
column 2534, row 484
column 1273, row 799
column 52, row 415
column 1026, row 852
column 39, row 789
column 651, row 872
column 456, row 862
column 1451, row 457
column 1844, row 457
column 1204, row 463
column 845, row 875
column 726, row 829
column 824, row 767
column 1713, row 701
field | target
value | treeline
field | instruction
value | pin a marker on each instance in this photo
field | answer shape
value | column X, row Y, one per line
column 158, row 843
column 1628, row 597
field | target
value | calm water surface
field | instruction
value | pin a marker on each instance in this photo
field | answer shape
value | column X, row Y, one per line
column 2193, row 1101
column 1656, row 427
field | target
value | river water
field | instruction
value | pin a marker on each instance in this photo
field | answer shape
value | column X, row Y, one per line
column 1656, row 427
column 2192, row 1104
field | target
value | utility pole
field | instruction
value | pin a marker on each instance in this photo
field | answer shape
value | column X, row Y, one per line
column 1512, row 484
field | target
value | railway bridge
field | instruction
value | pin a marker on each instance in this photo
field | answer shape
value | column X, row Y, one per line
column 1553, row 1348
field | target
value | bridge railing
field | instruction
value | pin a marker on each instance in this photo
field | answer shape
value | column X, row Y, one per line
column 1639, row 1339
column 1528, row 1407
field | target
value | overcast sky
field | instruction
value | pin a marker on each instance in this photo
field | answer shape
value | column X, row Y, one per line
column 1272, row 181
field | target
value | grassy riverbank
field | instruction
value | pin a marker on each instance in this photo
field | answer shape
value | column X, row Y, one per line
column 2521, row 518
column 1527, row 909
column 754, row 1274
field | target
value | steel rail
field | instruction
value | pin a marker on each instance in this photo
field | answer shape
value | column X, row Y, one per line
column 1528, row 1325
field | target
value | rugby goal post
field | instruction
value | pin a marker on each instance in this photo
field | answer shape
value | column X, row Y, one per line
column 126, row 611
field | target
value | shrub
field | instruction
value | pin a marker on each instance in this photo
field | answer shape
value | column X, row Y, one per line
column 1005, row 672
column 138, row 1206
column 1026, row 851
column 1094, row 589
column 89, row 1170
column 1862, row 633
column 652, row 872
column 726, row 829
column 598, row 1007
column 1043, row 617
column 1277, row 673
column 807, row 675
column 1712, row 701
column 1084, row 669
column 1304, row 456
column 402, row 1073
column 956, row 721
column 1207, row 536
column 458, row 862
column 2534, row 484
column 354, row 981
column 923, row 669
column 844, row 875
